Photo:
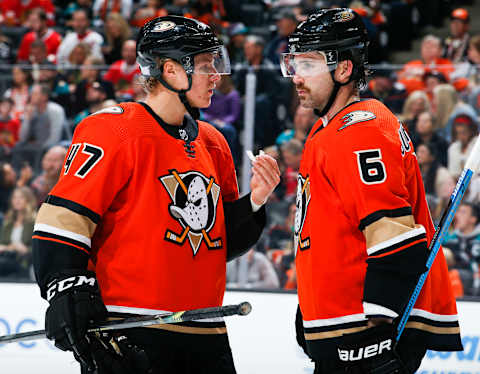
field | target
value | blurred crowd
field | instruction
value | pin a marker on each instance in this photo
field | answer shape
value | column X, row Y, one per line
column 62, row 60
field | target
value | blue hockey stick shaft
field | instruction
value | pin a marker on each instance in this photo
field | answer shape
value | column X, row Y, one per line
column 471, row 166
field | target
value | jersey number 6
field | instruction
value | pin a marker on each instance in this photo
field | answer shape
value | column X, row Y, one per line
column 94, row 153
column 371, row 166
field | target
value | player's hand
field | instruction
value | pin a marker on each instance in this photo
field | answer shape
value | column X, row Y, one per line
column 265, row 177
column 75, row 305
column 372, row 350
column 116, row 354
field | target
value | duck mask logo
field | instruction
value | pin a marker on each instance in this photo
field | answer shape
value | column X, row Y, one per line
column 194, row 205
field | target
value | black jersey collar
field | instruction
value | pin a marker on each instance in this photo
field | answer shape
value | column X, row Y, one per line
column 187, row 131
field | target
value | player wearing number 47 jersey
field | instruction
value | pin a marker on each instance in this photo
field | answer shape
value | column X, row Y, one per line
column 362, row 225
column 148, row 197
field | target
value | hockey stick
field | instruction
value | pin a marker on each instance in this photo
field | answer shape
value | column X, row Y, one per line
column 471, row 166
column 241, row 309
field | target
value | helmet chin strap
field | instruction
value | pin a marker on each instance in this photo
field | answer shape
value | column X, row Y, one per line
column 333, row 95
column 182, row 94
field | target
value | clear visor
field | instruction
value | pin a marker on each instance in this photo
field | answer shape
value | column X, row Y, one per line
column 212, row 62
column 308, row 64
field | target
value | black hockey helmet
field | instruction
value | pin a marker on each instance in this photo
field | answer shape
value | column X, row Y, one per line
column 180, row 39
column 338, row 34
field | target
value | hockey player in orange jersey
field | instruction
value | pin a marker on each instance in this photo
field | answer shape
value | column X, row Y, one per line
column 362, row 225
column 148, row 197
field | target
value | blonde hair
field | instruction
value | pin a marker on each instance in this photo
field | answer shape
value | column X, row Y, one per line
column 125, row 31
column 446, row 98
column 407, row 106
column 30, row 207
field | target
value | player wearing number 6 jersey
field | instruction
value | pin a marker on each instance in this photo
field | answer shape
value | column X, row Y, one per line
column 362, row 224
column 148, row 197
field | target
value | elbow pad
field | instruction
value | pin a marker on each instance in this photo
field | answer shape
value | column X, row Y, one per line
column 393, row 269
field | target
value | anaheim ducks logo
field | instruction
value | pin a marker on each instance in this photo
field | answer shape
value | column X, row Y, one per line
column 194, row 205
column 343, row 16
column 302, row 201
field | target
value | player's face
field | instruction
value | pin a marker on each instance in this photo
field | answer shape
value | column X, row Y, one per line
column 204, row 80
column 313, row 85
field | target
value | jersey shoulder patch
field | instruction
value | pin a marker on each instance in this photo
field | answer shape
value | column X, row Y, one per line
column 354, row 117
column 110, row 110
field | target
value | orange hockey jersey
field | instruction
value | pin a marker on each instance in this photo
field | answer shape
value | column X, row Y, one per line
column 145, row 200
column 356, row 170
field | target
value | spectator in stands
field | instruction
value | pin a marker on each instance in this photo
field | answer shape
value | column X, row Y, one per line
column 8, row 180
column 6, row 50
column 267, row 90
column 122, row 72
column 291, row 152
column 41, row 128
column 40, row 31
column 52, row 163
column 383, row 87
column 278, row 235
column 303, row 122
column 81, row 33
column 237, row 34
column 438, row 203
column 413, row 72
column 210, row 12
column 455, row 278
column 138, row 92
column 416, row 103
column 19, row 92
column 433, row 173
column 455, row 46
column 15, row 12
column 77, row 57
column 16, row 234
column 252, row 270
column 465, row 133
column 9, row 127
column 464, row 242
column 103, row 8
column 67, row 13
column 38, row 53
column 96, row 97
column 448, row 109
column 89, row 73
column 425, row 133
column 117, row 32
column 151, row 10
column 286, row 22
column 224, row 112
column 432, row 79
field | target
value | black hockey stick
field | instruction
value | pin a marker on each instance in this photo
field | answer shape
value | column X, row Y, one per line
column 241, row 309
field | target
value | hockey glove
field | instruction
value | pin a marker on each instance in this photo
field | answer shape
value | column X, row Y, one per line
column 115, row 354
column 371, row 351
column 75, row 305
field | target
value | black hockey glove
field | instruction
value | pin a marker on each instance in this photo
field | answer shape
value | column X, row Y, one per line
column 115, row 354
column 75, row 305
column 371, row 351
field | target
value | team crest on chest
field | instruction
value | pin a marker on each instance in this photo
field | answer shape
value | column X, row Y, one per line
column 194, row 205
column 302, row 201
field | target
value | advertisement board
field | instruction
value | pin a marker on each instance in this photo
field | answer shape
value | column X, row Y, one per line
column 262, row 342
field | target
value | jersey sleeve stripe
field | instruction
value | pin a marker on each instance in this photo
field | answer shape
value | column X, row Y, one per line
column 73, row 242
column 38, row 237
column 375, row 216
column 73, row 206
column 398, row 241
column 64, row 233
column 66, row 219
